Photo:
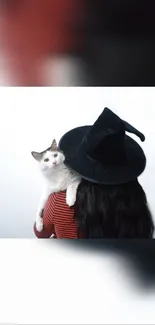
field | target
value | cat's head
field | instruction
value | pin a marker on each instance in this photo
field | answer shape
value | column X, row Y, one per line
column 49, row 158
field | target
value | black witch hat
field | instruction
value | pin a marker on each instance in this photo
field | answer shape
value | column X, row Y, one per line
column 103, row 153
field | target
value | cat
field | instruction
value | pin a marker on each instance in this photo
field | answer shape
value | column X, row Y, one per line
column 58, row 178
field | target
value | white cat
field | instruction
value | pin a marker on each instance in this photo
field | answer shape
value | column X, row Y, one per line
column 58, row 178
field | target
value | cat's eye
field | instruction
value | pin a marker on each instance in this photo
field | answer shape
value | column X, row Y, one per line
column 46, row 160
column 55, row 155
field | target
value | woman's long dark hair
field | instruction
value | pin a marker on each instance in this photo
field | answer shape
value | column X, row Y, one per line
column 112, row 211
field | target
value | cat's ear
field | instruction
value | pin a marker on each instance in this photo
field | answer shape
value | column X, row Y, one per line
column 36, row 155
column 54, row 146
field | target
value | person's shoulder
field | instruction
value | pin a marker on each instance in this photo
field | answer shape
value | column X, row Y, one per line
column 59, row 195
column 56, row 199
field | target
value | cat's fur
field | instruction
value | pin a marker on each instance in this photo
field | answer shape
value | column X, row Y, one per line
column 58, row 178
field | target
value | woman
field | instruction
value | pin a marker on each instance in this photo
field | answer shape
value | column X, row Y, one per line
column 110, row 201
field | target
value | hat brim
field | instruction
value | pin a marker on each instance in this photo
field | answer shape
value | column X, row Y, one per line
column 89, row 169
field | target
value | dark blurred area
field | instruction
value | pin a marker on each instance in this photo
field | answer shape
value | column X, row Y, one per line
column 78, row 42
column 138, row 255
column 120, row 42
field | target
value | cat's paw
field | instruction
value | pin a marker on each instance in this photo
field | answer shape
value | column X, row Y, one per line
column 39, row 224
column 70, row 199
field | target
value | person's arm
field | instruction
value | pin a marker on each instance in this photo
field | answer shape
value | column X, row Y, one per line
column 58, row 218
column 45, row 233
column 48, row 226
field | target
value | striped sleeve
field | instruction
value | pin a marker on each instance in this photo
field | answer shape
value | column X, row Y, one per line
column 48, row 228
column 58, row 218
column 63, row 218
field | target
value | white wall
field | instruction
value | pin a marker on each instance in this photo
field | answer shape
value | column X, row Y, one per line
column 31, row 117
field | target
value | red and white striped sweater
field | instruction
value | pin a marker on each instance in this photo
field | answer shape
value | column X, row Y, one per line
column 58, row 218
